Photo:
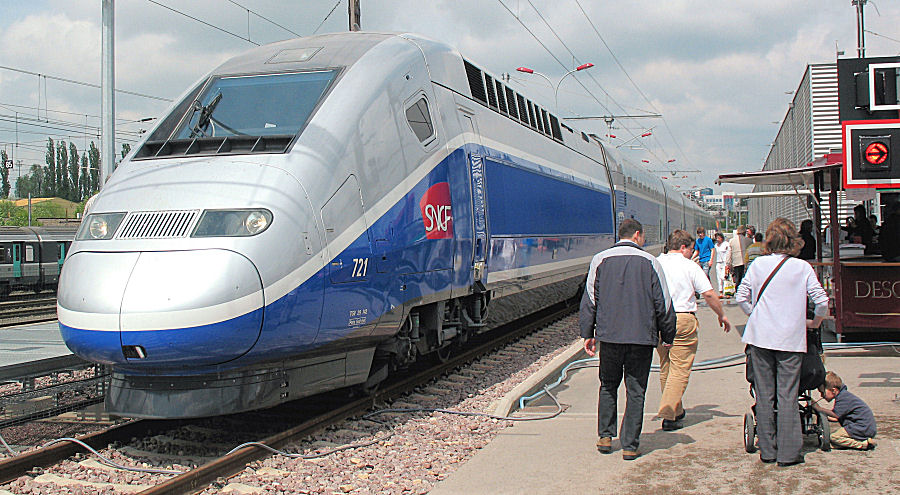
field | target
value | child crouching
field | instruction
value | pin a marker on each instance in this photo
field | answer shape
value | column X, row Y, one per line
column 857, row 421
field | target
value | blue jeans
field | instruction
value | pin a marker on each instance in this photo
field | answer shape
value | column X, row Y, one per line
column 706, row 265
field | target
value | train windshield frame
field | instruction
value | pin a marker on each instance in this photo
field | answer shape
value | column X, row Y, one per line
column 255, row 105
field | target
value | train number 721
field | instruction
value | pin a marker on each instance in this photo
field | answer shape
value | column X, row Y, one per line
column 360, row 266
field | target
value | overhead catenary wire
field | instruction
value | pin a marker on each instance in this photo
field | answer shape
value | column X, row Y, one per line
column 201, row 21
column 327, row 16
column 563, row 65
column 270, row 21
column 82, row 83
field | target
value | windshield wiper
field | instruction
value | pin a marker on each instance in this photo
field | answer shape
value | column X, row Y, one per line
column 205, row 115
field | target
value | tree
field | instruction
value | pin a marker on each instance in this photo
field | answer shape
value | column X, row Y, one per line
column 94, row 159
column 4, row 174
column 32, row 183
column 62, row 165
column 126, row 148
column 75, row 192
column 50, row 181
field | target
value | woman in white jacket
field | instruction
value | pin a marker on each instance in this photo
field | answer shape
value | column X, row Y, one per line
column 723, row 255
column 773, row 293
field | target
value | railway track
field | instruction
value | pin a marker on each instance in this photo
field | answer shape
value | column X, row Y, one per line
column 27, row 310
column 201, row 469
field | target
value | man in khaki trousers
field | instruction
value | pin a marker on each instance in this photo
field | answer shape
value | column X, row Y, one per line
column 683, row 278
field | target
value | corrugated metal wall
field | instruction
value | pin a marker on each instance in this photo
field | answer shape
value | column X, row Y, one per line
column 811, row 128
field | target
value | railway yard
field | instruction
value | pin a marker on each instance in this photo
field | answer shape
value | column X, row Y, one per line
column 398, row 442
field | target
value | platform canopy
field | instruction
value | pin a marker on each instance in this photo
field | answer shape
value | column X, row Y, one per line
column 796, row 177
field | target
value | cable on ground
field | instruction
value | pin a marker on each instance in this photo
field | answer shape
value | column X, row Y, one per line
column 707, row 365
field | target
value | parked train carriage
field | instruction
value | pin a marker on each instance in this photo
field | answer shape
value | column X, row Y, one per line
column 326, row 210
column 31, row 257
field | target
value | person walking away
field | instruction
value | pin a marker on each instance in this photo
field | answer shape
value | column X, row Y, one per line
column 736, row 261
column 683, row 279
column 774, row 293
column 858, row 427
column 625, row 312
column 808, row 251
column 753, row 251
column 723, row 254
column 703, row 251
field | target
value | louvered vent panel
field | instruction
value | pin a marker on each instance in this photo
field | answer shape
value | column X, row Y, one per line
column 476, row 83
column 158, row 224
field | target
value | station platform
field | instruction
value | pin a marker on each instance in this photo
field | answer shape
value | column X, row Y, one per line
column 558, row 456
column 26, row 346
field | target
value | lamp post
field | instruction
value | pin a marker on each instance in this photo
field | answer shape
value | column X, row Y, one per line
column 555, row 87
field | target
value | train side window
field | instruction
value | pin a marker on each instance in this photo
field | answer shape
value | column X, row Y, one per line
column 420, row 120
column 5, row 255
column 29, row 253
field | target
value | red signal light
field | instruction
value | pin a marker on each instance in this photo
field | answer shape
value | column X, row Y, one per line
column 876, row 153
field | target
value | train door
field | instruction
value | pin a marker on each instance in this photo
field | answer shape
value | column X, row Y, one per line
column 17, row 260
column 350, row 300
column 475, row 158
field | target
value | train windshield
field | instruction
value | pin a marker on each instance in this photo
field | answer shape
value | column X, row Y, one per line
column 254, row 105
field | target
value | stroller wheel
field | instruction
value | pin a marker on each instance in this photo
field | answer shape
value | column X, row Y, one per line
column 749, row 433
column 823, row 433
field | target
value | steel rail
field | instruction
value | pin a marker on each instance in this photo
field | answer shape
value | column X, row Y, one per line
column 198, row 479
column 226, row 466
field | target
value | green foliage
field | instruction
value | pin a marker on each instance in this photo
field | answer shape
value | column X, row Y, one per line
column 10, row 214
column 4, row 175
column 67, row 174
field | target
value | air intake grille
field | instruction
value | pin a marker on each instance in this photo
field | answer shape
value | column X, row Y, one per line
column 157, row 224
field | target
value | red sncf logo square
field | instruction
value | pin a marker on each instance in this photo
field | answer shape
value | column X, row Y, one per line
column 436, row 212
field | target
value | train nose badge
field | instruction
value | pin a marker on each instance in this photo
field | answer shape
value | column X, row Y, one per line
column 436, row 212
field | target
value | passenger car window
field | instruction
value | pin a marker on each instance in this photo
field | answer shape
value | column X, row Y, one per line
column 420, row 120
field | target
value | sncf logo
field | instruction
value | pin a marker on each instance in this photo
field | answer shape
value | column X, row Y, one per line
column 436, row 214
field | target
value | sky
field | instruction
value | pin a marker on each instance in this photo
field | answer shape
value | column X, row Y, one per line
column 720, row 73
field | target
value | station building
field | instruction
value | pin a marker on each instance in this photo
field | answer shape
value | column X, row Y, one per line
column 811, row 128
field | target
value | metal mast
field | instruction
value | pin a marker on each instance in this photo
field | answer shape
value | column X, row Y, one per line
column 353, row 14
column 108, row 102
column 860, row 28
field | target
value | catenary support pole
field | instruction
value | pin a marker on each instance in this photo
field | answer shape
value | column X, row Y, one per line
column 107, row 100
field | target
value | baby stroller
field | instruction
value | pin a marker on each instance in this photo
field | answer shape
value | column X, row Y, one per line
column 812, row 375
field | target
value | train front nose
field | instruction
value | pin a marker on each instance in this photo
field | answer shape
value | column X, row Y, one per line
column 162, row 309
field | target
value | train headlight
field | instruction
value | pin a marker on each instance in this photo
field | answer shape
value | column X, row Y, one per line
column 99, row 226
column 232, row 223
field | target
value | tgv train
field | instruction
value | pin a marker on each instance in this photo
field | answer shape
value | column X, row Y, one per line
column 319, row 212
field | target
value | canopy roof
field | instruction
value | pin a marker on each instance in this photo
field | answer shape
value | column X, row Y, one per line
column 796, row 177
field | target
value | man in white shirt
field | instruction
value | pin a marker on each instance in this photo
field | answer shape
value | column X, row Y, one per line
column 683, row 278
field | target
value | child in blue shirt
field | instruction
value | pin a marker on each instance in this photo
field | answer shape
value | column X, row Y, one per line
column 857, row 429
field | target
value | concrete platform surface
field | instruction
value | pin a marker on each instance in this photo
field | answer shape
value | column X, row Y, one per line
column 33, row 342
column 559, row 456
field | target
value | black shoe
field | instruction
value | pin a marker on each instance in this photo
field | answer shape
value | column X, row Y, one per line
column 766, row 461
column 680, row 416
column 669, row 425
column 799, row 460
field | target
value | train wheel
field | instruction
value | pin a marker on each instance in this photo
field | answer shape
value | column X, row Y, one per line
column 749, row 433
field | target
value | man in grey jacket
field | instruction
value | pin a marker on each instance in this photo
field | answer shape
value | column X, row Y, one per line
column 626, row 309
